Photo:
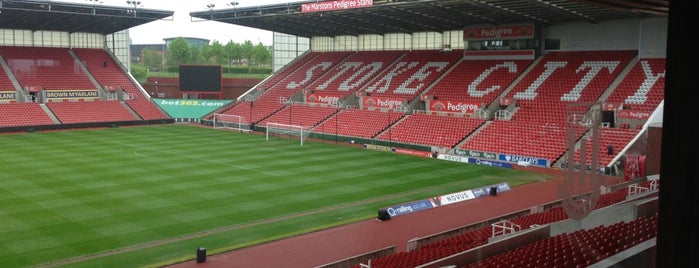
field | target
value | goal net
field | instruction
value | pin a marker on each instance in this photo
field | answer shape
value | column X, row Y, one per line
column 286, row 131
column 231, row 121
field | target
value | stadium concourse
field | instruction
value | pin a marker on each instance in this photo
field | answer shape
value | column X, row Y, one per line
column 553, row 85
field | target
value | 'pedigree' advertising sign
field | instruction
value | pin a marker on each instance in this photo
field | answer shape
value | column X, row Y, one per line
column 381, row 102
column 335, row 5
column 324, row 98
column 453, row 106
column 630, row 114
column 522, row 31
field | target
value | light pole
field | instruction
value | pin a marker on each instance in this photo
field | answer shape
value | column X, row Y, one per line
column 234, row 4
column 94, row 5
column 210, row 7
column 135, row 4
column 156, row 89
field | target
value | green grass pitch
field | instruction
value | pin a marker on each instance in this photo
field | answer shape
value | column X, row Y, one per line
column 149, row 196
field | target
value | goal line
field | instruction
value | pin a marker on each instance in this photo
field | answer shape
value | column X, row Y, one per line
column 286, row 130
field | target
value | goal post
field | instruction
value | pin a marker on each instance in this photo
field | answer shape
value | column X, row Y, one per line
column 278, row 129
column 231, row 121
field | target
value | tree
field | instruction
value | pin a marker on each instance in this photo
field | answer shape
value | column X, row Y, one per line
column 139, row 72
column 151, row 58
column 197, row 55
column 262, row 54
column 206, row 52
column 247, row 52
column 233, row 51
column 180, row 52
column 216, row 53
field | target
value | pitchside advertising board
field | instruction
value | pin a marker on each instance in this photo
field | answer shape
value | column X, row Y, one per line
column 524, row 160
column 476, row 161
column 486, row 159
column 484, row 191
column 501, row 160
column 453, row 158
column 444, row 200
column 491, row 163
column 477, row 154
column 404, row 151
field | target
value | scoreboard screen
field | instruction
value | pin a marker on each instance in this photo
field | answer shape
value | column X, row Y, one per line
column 200, row 78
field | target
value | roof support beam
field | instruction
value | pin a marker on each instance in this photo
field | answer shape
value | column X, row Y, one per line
column 558, row 8
column 500, row 9
column 467, row 14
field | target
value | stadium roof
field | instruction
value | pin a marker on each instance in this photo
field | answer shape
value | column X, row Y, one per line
column 73, row 17
column 408, row 16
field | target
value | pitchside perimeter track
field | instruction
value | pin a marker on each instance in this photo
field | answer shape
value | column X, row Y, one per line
column 149, row 196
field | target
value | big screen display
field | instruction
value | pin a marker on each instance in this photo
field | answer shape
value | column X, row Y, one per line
column 200, row 78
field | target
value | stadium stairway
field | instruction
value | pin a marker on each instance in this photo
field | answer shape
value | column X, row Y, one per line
column 49, row 113
column 284, row 72
column 471, row 135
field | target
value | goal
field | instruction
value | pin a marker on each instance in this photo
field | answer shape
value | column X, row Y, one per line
column 284, row 130
column 231, row 121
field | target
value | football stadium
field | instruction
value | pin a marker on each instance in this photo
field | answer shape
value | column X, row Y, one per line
column 391, row 133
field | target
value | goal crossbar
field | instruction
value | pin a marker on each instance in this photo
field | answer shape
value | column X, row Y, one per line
column 286, row 129
column 231, row 121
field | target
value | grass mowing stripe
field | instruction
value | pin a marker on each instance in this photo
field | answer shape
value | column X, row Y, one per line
column 145, row 187
column 288, row 222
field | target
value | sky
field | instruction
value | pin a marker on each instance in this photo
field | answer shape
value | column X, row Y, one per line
column 181, row 24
